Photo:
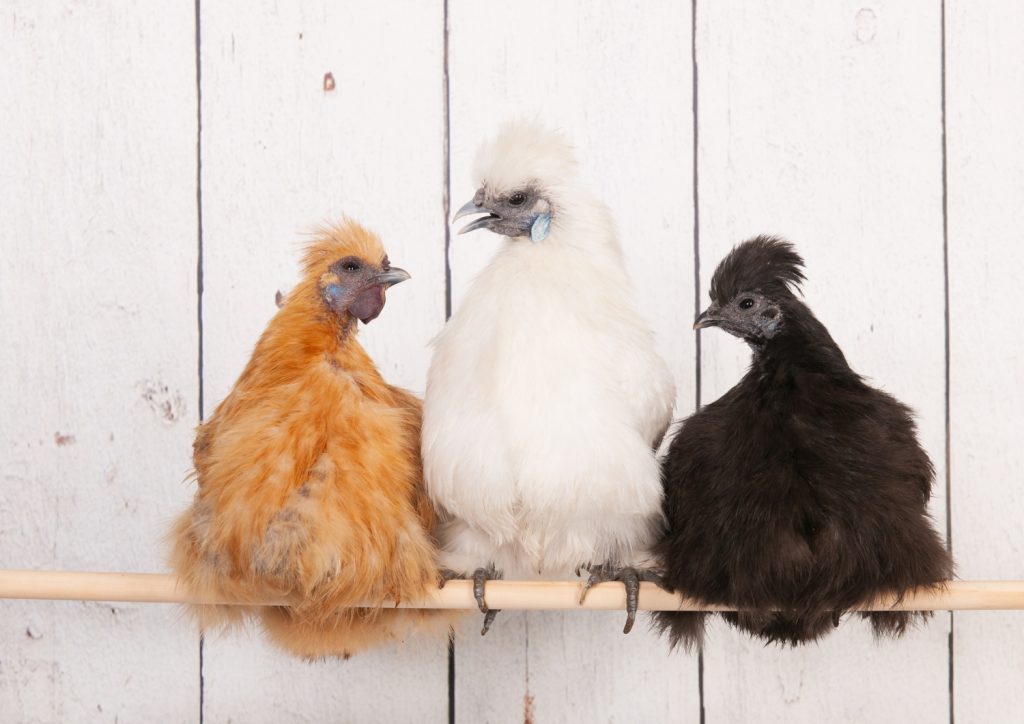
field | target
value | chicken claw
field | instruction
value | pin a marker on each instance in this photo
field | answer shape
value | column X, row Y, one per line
column 447, row 574
column 480, row 577
column 630, row 578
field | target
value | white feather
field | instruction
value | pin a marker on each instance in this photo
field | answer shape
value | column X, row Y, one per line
column 545, row 395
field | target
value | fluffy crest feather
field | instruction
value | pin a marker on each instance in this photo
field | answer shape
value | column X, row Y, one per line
column 524, row 151
column 335, row 241
column 765, row 264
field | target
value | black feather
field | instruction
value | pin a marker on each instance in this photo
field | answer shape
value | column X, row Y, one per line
column 802, row 492
column 765, row 264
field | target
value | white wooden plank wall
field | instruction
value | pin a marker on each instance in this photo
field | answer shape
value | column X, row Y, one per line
column 819, row 121
column 985, row 100
column 98, row 320
column 823, row 123
column 282, row 152
column 563, row 62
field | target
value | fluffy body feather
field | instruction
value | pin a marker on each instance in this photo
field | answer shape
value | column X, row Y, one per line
column 802, row 489
column 310, row 483
column 545, row 395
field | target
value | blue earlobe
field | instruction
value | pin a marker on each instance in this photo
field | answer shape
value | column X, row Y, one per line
column 770, row 327
column 541, row 227
column 332, row 292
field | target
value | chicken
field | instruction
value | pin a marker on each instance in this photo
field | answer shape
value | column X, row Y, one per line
column 545, row 396
column 309, row 474
column 802, row 492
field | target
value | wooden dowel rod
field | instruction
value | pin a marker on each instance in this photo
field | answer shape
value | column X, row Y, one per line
column 541, row 595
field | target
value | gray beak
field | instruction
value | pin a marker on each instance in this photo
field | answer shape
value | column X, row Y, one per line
column 392, row 276
column 472, row 208
column 707, row 318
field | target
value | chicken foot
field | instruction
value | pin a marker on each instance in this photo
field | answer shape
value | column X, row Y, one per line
column 630, row 578
column 480, row 577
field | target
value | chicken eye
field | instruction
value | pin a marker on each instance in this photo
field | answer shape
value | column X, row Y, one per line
column 350, row 266
column 517, row 199
column 746, row 303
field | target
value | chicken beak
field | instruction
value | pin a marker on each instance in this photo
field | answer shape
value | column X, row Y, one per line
column 470, row 208
column 707, row 318
column 392, row 276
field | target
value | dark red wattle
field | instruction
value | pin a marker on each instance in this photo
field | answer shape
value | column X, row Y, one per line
column 368, row 303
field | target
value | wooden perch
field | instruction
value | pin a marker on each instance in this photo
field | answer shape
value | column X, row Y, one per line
column 540, row 595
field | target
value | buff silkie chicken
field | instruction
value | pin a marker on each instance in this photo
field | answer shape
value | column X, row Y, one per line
column 545, row 398
column 309, row 475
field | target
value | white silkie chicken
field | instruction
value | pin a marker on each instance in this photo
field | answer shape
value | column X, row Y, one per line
column 545, row 398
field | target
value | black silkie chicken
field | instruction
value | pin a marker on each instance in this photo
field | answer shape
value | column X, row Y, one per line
column 802, row 492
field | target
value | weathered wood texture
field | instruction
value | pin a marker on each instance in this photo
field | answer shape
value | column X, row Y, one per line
column 822, row 122
column 985, row 152
column 819, row 121
column 98, row 318
column 283, row 150
column 616, row 78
